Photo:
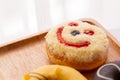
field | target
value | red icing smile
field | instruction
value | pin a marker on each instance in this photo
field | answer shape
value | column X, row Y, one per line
column 61, row 40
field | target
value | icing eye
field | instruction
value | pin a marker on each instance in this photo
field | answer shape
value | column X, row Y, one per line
column 73, row 24
column 89, row 32
column 75, row 32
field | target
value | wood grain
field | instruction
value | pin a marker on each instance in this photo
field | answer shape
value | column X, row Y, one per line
column 24, row 55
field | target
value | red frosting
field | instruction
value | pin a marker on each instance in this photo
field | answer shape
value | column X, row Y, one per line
column 89, row 32
column 61, row 40
column 73, row 24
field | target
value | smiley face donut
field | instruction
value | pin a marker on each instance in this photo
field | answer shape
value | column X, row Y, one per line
column 77, row 44
column 109, row 71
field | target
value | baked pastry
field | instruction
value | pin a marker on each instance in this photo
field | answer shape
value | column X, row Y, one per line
column 109, row 71
column 54, row 72
column 77, row 44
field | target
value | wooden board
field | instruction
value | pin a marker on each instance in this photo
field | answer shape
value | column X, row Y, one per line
column 24, row 55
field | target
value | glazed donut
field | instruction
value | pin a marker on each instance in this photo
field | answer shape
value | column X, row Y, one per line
column 109, row 71
column 77, row 44
column 54, row 72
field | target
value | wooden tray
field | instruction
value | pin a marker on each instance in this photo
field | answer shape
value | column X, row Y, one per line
column 23, row 55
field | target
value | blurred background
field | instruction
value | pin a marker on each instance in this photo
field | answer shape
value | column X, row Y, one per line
column 19, row 18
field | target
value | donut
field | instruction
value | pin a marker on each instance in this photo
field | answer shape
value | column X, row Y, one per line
column 54, row 72
column 77, row 44
column 109, row 71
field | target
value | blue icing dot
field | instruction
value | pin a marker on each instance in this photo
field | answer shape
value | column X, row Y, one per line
column 75, row 32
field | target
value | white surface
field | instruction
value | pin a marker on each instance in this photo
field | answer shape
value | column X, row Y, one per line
column 19, row 18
